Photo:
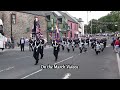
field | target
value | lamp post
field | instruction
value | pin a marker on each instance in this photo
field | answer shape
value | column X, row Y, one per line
column 12, row 41
column 91, row 24
column 11, row 26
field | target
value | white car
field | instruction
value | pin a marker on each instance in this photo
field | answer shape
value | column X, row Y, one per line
column 2, row 41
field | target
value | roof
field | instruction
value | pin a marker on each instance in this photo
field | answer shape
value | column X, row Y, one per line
column 57, row 14
column 67, row 16
column 39, row 13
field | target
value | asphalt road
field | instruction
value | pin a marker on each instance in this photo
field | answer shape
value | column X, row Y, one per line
column 20, row 65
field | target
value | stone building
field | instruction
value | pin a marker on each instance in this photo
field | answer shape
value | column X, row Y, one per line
column 22, row 23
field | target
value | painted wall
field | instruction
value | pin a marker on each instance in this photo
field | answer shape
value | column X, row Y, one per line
column 73, row 29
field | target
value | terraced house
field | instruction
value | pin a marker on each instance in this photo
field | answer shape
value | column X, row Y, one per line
column 22, row 23
column 72, row 24
column 52, row 17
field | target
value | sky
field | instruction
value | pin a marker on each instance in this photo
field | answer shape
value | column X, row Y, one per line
column 91, row 15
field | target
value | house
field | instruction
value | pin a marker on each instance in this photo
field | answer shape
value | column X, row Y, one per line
column 22, row 23
column 51, row 18
column 73, row 24
column 81, row 26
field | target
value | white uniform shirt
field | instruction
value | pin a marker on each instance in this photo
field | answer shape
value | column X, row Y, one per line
column 97, row 47
column 22, row 41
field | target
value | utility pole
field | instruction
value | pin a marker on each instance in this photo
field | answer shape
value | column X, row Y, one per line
column 87, row 22
column 91, row 26
column 91, row 23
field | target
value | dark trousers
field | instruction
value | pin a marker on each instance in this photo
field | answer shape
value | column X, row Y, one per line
column 73, row 48
column 22, row 47
column 62, row 47
column 80, row 49
column 36, row 55
column 41, row 51
column 105, row 44
column 30, row 47
column 55, row 52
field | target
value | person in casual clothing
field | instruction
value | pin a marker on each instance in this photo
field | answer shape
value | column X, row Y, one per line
column 113, row 42
column 22, row 43
column 117, row 43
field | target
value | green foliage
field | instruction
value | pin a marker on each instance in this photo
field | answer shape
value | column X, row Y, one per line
column 105, row 24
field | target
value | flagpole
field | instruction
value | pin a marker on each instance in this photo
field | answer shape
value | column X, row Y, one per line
column 91, row 23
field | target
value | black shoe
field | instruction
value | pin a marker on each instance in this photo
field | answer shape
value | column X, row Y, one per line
column 35, row 64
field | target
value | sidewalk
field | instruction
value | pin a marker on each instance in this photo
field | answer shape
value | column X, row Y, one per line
column 26, row 48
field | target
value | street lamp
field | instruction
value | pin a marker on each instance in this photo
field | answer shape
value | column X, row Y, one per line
column 11, row 27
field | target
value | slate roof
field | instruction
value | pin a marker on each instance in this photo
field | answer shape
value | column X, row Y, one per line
column 67, row 16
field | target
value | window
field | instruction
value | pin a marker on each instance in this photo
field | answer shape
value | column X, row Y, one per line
column 60, row 20
column 71, row 25
column 13, row 17
column 75, row 26
column 52, row 22
column 48, row 17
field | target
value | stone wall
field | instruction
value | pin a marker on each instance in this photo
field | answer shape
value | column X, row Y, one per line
column 23, row 26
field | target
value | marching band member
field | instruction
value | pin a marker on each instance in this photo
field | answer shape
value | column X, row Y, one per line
column 68, row 45
column 42, row 43
column 63, row 45
column 81, row 46
column 102, row 45
column 73, row 45
column 55, row 49
column 85, row 46
column 97, row 48
column 36, row 50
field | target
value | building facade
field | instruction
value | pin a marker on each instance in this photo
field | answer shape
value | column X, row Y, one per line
column 52, row 17
column 81, row 26
column 22, row 23
column 73, row 26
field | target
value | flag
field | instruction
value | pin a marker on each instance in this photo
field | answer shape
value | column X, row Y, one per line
column 36, row 29
column 57, row 36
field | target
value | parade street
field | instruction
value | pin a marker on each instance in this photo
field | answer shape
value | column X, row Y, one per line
column 15, row 64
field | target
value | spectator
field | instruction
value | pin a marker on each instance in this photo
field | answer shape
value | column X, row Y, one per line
column 117, row 43
column 22, row 43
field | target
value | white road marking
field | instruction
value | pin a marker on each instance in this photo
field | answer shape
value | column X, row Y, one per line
column 32, row 74
column 42, row 69
column 6, row 69
column 66, row 76
column 9, row 68
column 118, row 60
column 64, row 60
